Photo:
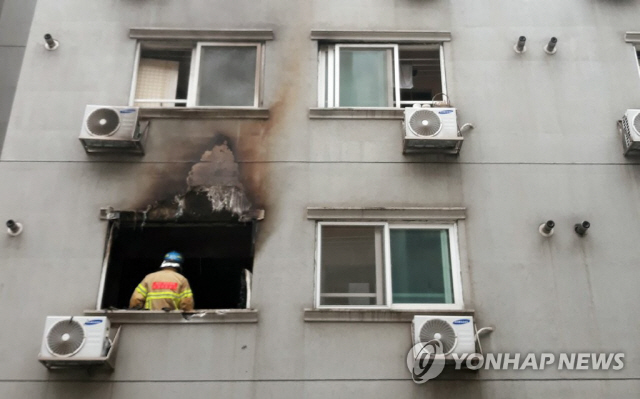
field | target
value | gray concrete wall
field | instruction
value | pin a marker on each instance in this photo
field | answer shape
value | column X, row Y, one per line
column 15, row 22
column 545, row 146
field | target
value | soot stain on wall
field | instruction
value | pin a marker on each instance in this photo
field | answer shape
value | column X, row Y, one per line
column 228, row 172
column 214, row 189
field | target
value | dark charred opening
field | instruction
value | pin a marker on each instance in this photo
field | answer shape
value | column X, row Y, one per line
column 216, row 256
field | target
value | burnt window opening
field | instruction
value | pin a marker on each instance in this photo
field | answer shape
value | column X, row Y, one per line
column 216, row 258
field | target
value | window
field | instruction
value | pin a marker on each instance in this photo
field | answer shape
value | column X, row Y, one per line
column 205, row 74
column 218, row 261
column 380, row 75
column 379, row 264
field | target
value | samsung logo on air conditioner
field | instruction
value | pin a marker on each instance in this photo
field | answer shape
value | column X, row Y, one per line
column 446, row 111
column 462, row 321
column 92, row 322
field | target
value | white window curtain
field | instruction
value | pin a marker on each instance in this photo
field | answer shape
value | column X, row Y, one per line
column 157, row 79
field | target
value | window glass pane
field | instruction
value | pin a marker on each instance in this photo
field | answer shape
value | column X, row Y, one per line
column 366, row 77
column 352, row 270
column 421, row 266
column 227, row 76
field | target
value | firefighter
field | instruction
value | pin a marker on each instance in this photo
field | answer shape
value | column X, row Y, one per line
column 165, row 289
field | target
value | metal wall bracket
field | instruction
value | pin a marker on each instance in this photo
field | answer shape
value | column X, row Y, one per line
column 109, row 214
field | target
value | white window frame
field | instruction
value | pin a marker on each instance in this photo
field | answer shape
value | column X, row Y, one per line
column 194, row 74
column 329, row 71
column 456, row 274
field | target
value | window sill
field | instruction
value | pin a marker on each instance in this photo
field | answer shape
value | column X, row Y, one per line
column 375, row 315
column 356, row 113
column 203, row 113
column 203, row 316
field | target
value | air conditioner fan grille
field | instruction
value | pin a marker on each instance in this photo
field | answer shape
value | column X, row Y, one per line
column 103, row 122
column 425, row 123
column 65, row 338
column 441, row 330
column 636, row 123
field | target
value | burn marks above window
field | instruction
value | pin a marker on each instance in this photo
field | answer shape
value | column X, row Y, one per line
column 214, row 191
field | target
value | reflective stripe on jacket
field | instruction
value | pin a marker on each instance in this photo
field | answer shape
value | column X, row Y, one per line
column 163, row 289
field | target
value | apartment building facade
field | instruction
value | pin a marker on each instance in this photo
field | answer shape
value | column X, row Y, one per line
column 275, row 158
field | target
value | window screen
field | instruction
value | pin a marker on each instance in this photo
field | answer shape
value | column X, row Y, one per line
column 352, row 265
column 366, row 77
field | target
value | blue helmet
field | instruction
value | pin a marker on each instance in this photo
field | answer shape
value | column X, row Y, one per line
column 172, row 259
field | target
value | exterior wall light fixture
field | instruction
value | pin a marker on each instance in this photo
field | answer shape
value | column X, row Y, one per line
column 581, row 228
column 550, row 48
column 50, row 43
column 546, row 228
column 13, row 228
column 520, row 45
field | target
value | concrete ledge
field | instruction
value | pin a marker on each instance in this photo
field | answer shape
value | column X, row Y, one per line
column 374, row 315
column 203, row 113
column 356, row 113
column 207, row 316
column 632, row 37
column 413, row 214
column 201, row 34
column 367, row 36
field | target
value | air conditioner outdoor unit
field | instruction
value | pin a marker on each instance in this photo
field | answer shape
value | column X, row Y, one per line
column 431, row 130
column 75, row 337
column 631, row 132
column 455, row 333
column 112, row 129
